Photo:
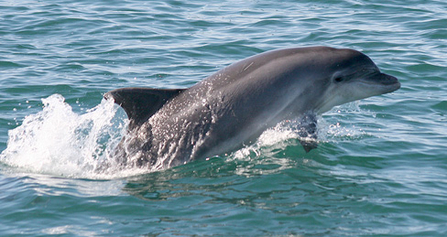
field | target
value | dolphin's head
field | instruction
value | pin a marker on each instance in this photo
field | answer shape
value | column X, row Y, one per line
column 349, row 76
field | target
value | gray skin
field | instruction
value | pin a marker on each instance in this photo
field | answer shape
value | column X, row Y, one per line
column 235, row 105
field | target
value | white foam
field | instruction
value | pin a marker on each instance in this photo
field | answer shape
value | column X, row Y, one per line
column 59, row 141
column 275, row 137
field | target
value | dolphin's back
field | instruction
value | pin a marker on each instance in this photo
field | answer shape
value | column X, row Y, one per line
column 235, row 105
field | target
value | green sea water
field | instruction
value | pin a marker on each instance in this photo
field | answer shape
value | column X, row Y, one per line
column 380, row 168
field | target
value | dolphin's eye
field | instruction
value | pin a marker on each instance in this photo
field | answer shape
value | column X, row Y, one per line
column 338, row 79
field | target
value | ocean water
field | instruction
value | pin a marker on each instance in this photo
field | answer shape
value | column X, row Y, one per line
column 380, row 168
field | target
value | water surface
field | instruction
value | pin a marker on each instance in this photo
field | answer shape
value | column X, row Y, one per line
column 380, row 168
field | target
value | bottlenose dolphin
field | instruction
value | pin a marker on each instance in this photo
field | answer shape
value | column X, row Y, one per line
column 232, row 107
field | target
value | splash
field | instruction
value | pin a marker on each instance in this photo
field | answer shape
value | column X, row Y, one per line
column 277, row 137
column 287, row 133
column 59, row 141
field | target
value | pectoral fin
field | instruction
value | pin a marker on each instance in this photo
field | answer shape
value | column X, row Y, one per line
column 308, row 132
column 141, row 103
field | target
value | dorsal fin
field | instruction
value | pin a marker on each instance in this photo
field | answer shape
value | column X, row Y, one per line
column 141, row 103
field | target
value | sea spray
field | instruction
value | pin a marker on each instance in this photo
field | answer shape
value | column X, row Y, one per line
column 59, row 141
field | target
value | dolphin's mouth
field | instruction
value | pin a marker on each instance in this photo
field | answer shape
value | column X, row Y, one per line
column 390, row 82
column 386, row 82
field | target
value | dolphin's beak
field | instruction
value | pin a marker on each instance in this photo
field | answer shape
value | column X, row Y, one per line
column 384, row 82
column 389, row 81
